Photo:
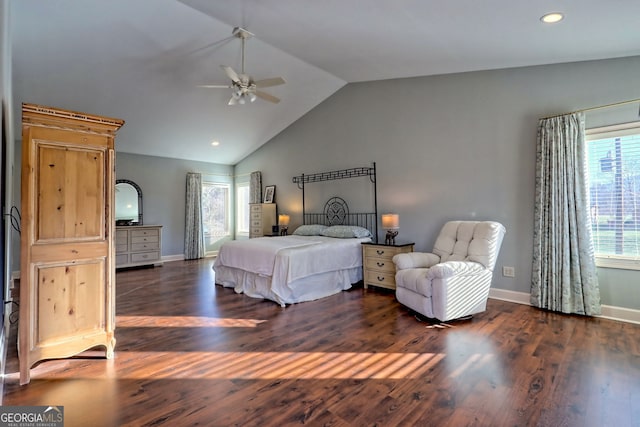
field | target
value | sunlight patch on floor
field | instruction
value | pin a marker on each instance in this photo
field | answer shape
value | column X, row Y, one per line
column 260, row 366
column 298, row 365
column 184, row 322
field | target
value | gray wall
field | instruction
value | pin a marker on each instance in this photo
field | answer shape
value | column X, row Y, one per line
column 163, row 184
column 458, row 146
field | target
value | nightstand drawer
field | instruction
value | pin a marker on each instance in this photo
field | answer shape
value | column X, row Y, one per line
column 379, row 252
column 377, row 263
column 383, row 280
column 380, row 264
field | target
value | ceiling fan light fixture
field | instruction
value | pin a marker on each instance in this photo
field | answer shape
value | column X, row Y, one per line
column 243, row 85
column 552, row 17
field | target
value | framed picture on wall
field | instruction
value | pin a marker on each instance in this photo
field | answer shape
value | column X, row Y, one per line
column 269, row 193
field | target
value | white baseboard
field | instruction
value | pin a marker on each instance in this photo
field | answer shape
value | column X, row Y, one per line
column 608, row 311
column 169, row 258
column 510, row 296
column 620, row 313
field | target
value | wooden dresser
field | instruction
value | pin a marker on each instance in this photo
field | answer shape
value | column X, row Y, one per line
column 378, row 267
column 263, row 217
column 138, row 245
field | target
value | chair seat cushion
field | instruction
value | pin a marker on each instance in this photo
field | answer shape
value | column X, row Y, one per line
column 454, row 268
column 415, row 280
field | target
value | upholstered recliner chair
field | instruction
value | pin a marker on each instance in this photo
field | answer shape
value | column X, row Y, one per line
column 454, row 280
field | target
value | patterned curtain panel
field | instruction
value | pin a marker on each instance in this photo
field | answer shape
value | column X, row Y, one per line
column 564, row 273
column 194, row 233
column 255, row 188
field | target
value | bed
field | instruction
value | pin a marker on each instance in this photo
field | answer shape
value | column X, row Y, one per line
column 322, row 257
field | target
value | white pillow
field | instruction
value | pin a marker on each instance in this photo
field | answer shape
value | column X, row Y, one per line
column 346, row 231
column 310, row 230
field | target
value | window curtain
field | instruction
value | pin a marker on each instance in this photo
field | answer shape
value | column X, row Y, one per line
column 194, row 233
column 255, row 187
column 564, row 273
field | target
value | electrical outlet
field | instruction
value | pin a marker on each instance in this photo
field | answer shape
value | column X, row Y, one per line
column 508, row 271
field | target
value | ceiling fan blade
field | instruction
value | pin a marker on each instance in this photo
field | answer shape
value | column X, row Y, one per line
column 231, row 73
column 267, row 97
column 216, row 86
column 275, row 81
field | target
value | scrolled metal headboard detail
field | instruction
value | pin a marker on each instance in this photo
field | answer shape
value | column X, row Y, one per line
column 336, row 211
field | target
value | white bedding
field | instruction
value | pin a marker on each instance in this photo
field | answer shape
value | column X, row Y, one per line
column 290, row 269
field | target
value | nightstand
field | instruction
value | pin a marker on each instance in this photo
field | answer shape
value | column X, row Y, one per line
column 378, row 267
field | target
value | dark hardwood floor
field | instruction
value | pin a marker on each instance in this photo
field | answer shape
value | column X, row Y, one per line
column 191, row 353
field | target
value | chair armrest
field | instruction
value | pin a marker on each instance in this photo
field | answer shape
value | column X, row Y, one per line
column 454, row 268
column 415, row 260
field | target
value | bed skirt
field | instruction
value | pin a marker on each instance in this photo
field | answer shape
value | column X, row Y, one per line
column 306, row 289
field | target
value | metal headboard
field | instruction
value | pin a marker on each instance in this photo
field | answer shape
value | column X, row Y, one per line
column 336, row 210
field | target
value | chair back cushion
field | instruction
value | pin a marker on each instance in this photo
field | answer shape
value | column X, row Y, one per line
column 477, row 241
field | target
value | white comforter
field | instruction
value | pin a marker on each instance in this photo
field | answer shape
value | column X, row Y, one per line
column 288, row 259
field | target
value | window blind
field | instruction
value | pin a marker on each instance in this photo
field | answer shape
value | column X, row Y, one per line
column 613, row 165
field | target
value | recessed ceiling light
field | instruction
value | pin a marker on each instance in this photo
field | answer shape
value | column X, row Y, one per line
column 552, row 18
column 215, row 143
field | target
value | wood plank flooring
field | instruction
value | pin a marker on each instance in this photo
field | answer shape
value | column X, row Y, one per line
column 190, row 353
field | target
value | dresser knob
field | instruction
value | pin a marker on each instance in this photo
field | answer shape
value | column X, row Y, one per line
column 380, row 279
column 380, row 264
column 379, row 252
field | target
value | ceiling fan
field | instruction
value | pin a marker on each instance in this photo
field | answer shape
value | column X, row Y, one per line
column 244, row 87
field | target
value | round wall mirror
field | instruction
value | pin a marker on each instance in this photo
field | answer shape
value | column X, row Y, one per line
column 128, row 203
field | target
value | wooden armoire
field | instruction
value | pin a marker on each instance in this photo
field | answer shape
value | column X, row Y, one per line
column 67, row 271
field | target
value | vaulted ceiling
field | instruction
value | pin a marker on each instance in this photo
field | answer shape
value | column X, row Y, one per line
column 143, row 60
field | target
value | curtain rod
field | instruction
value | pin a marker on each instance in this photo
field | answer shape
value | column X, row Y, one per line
column 212, row 173
column 221, row 174
column 600, row 107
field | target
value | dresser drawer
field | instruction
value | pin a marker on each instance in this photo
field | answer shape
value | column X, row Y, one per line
column 145, row 233
column 144, row 239
column 138, row 245
column 122, row 259
column 256, row 208
column 145, row 256
column 141, row 247
column 121, row 237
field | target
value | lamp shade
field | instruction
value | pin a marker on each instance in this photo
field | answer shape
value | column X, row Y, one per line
column 390, row 221
column 283, row 220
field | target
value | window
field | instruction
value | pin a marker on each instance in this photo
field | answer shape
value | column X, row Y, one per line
column 242, row 208
column 215, row 211
column 613, row 165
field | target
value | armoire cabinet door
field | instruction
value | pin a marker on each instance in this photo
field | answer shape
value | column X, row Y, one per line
column 67, row 260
